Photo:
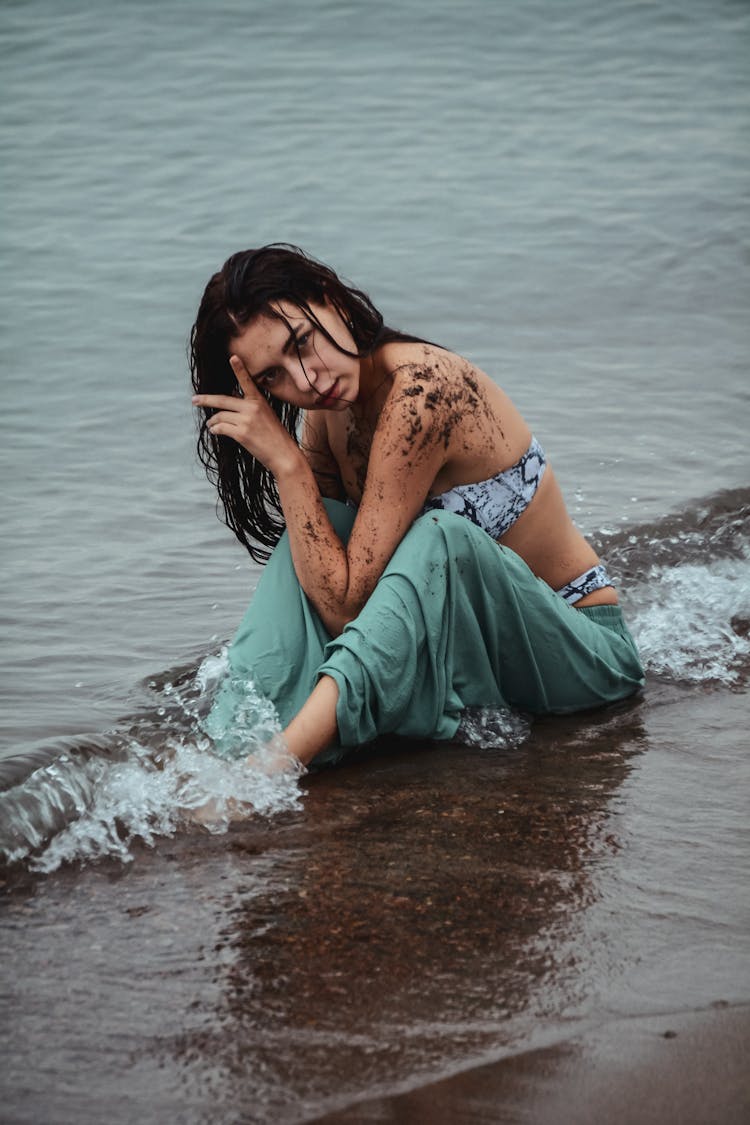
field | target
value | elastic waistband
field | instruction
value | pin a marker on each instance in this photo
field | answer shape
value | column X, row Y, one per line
column 608, row 615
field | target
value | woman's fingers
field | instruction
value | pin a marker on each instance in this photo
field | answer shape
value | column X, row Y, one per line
column 248, row 419
column 250, row 423
column 222, row 418
column 218, row 402
column 247, row 386
column 228, row 421
column 250, row 392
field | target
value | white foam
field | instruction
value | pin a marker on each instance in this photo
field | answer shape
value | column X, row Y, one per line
column 138, row 800
column 682, row 620
column 492, row 728
column 98, row 807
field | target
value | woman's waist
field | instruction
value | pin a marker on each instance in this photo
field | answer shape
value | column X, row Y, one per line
column 566, row 561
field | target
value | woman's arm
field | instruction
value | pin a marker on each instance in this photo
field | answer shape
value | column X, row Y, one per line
column 314, row 445
column 409, row 448
column 406, row 455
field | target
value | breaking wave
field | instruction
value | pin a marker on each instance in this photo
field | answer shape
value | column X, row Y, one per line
column 97, row 796
column 687, row 579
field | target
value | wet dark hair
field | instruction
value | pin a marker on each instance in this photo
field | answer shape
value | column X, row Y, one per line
column 248, row 284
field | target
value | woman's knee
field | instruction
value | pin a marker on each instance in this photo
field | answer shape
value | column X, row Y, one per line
column 457, row 539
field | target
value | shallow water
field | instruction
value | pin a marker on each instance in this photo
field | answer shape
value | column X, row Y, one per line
column 559, row 192
column 421, row 909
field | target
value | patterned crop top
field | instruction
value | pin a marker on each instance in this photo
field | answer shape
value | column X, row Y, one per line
column 495, row 504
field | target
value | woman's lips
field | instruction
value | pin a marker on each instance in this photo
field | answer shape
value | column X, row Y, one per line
column 330, row 396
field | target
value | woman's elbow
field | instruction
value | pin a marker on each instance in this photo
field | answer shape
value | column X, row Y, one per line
column 337, row 617
column 335, row 625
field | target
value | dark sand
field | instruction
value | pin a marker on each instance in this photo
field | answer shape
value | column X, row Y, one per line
column 687, row 1068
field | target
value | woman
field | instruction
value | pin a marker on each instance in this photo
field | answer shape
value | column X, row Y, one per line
column 429, row 563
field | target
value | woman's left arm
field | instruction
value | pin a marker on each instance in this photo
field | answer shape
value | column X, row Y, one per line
column 407, row 453
column 408, row 449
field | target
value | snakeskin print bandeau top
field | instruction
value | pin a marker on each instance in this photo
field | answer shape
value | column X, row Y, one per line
column 495, row 504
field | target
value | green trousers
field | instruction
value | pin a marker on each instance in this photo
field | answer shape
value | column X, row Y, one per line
column 455, row 621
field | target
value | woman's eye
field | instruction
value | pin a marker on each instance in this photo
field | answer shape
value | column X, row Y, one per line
column 304, row 338
column 268, row 378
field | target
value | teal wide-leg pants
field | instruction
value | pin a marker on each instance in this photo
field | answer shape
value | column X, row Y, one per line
column 455, row 621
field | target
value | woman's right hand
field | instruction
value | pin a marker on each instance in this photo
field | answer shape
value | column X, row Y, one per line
column 250, row 421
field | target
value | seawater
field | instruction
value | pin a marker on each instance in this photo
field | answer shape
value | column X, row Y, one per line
column 554, row 190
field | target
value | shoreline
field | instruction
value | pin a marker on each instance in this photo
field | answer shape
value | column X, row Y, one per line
column 678, row 1068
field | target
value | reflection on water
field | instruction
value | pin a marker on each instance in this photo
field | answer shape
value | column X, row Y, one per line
column 421, row 908
column 428, row 905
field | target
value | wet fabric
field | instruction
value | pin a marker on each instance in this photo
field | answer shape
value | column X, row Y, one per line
column 455, row 621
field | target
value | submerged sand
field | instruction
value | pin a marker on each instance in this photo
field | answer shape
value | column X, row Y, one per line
column 556, row 932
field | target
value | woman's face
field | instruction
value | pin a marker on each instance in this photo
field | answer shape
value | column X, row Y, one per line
column 293, row 360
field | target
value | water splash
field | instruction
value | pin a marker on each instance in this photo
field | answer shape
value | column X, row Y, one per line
column 685, row 579
column 83, row 807
column 691, row 622
column 492, row 728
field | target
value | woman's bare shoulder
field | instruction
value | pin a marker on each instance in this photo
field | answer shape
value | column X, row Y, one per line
column 441, row 397
column 435, row 366
column 430, row 373
column 438, row 380
column 398, row 355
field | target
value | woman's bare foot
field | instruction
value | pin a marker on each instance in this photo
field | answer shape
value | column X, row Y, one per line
column 273, row 760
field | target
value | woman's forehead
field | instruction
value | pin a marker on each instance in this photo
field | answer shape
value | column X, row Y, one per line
column 285, row 310
column 271, row 328
column 268, row 330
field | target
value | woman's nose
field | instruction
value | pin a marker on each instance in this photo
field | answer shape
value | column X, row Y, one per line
column 305, row 375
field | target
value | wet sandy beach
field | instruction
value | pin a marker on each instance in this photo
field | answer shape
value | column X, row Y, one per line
column 685, row 1068
column 429, row 911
